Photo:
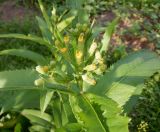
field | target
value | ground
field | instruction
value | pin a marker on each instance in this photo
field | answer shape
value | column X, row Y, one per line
column 9, row 11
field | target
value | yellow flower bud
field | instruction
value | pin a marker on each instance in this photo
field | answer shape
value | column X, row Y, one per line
column 79, row 55
column 66, row 39
column 63, row 50
column 45, row 69
column 42, row 69
column 81, row 38
column 39, row 82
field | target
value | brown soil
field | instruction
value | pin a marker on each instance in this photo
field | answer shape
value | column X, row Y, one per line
column 9, row 11
column 131, row 41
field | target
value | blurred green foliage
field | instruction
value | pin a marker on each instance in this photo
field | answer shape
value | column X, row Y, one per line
column 148, row 108
column 25, row 27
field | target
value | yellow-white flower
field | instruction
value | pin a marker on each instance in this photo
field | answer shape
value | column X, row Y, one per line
column 88, row 79
column 92, row 48
column 90, row 67
column 39, row 82
column 42, row 69
column 98, row 57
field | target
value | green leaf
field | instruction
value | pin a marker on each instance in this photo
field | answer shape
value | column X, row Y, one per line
column 71, row 127
column 18, row 90
column 114, row 121
column 76, row 4
column 120, row 80
column 108, row 34
column 68, row 115
column 45, row 98
column 63, row 24
column 18, row 80
column 18, row 128
column 45, row 15
column 39, row 59
column 19, row 100
column 57, row 110
column 85, row 114
column 44, row 29
column 34, row 38
column 39, row 128
column 37, row 117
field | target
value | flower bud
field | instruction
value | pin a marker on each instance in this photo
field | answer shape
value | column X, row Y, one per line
column 42, row 69
column 88, row 79
column 91, row 67
column 66, row 39
column 79, row 55
column 103, row 67
column 98, row 57
column 92, row 48
column 81, row 38
column 39, row 82
column 63, row 50
column 45, row 69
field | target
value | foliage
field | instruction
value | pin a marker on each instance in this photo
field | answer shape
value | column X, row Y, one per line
column 75, row 90
column 147, row 108
column 25, row 26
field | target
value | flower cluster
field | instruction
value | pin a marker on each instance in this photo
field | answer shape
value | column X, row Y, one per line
column 79, row 49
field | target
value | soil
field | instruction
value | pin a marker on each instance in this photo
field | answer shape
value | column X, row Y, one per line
column 129, row 40
column 10, row 10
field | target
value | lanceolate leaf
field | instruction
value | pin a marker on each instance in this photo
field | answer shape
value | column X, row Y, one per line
column 72, row 127
column 39, row 59
column 45, row 98
column 108, row 34
column 111, row 112
column 39, row 128
column 45, row 15
column 36, row 117
column 63, row 24
column 85, row 114
column 121, row 79
column 18, row 90
column 18, row 100
column 39, row 40
column 44, row 29
column 18, row 81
